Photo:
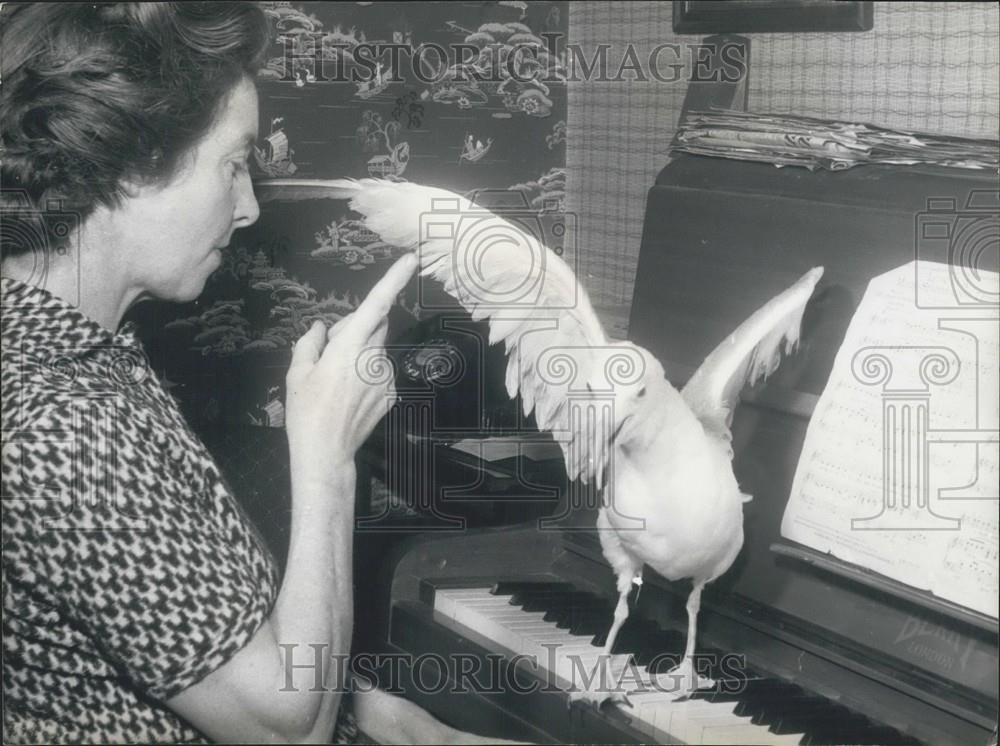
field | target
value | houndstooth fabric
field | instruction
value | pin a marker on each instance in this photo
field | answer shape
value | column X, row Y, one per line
column 129, row 571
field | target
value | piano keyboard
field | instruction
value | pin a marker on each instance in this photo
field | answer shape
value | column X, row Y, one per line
column 554, row 623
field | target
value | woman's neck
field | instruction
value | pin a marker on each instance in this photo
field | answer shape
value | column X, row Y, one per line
column 85, row 276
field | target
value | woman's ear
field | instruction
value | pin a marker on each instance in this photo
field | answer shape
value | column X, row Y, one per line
column 133, row 184
column 130, row 187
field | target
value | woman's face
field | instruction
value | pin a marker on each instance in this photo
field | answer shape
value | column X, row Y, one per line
column 172, row 235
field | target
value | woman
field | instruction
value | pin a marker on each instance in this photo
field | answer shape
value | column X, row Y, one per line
column 139, row 605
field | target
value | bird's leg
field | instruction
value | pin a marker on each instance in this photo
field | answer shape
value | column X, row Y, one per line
column 693, row 607
column 621, row 613
column 603, row 672
column 684, row 676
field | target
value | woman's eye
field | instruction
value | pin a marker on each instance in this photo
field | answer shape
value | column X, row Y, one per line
column 239, row 166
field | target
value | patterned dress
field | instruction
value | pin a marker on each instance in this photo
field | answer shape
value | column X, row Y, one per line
column 129, row 570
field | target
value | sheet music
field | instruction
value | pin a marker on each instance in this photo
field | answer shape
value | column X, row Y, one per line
column 899, row 469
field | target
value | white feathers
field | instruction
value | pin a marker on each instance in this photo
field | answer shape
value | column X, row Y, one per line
column 498, row 271
column 558, row 355
column 750, row 353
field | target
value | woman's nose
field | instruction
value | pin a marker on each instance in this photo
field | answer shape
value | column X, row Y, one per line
column 247, row 210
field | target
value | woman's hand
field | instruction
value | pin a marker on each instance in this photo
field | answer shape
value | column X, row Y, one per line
column 339, row 383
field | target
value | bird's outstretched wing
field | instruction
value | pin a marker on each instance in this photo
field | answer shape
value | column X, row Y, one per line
column 293, row 190
column 750, row 353
column 493, row 265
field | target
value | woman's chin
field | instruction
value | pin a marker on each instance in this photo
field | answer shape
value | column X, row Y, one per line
column 189, row 291
column 192, row 289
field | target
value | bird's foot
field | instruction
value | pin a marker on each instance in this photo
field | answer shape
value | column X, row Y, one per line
column 601, row 684
column 684, row 681
column 596, row 698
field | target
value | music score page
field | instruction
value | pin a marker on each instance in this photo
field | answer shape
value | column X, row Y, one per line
column 899, row 469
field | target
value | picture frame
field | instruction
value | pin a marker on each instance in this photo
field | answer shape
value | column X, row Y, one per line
column 770, row 16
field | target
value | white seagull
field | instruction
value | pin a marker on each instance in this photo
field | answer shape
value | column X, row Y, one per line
column 661, row 455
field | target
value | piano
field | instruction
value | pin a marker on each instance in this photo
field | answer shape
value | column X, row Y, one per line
column 805, row 649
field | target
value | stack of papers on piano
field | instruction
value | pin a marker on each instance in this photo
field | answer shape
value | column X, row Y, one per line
column 786, row 140
column 899, row 469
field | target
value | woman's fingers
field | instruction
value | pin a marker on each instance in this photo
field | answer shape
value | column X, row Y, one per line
column 337, row 328
column 377, row 304
column 363, row 323
column 309, row 347
column 377, row 338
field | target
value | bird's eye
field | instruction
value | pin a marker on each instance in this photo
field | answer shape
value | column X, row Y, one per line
column 642, row 391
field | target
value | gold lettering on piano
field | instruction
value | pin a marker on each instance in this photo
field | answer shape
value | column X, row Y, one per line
column 925, row 640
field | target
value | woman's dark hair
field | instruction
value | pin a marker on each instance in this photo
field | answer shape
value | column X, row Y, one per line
column 92, row 94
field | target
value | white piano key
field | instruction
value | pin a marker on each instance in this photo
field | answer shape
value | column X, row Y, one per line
column 684, row 720
column 487, row 603
column 503, row 612
column 445, row 605
column 570, row 643
column 543, row 630
column 787, row 739
column 663, row 712
column 525, row 618
column 669, row 719
column 461, row 592
column 693, row 723
column 748, row 734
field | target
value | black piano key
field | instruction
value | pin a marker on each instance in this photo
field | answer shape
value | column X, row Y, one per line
column 749, row 693
column 665, row 661
column 505, row 589
column 801, row 714
column 659, row 643
column 872, row 733
column 631, row 636
column 564, row 604
column 753, row 696
column 852, row 728
column 822, row 721
column 561, row 617
column 538, row 600
column 561, row 610
column 575, row 611
column 785, row 708
column 588, row 623
column 767, row 711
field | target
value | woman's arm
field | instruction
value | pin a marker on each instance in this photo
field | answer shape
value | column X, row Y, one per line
column 268, row 691
column 386, row 718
